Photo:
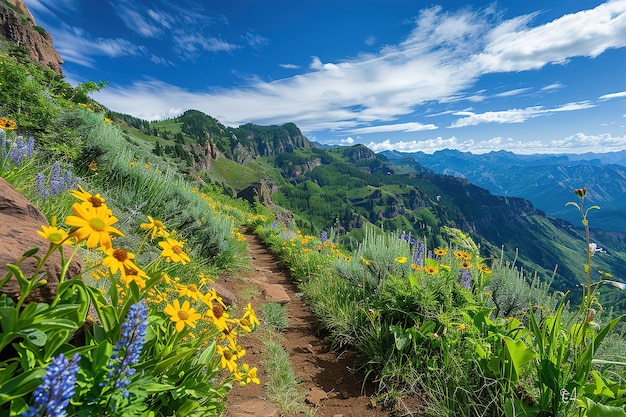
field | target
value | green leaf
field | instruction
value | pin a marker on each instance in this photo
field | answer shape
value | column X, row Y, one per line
column 8, row 319
column 30, row 252
column 401, row 337
column 21, row 384
column 599, row 387
column 518, row 355
column 21, row 278
column 34, row 336
column 595, row 409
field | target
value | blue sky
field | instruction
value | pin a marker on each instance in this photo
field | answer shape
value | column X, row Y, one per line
column 525, row 76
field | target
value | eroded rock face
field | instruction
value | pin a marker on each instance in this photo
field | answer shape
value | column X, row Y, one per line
column 19, row 222
column 18, row 25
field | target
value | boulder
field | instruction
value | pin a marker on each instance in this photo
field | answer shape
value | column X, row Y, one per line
column 19, row 222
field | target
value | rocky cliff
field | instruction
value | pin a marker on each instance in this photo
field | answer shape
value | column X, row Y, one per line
column 18, row 26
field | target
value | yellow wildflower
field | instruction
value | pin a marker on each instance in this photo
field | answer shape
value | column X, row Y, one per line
column 156, row 227
column 251, row 316
column 189, row 290
column 431, row 270
column 134, row 275
column 7, row 124
column 118, row 259
column 93, row 224
column 227, row 358
column 401, row 259
column 173, row 251
column 462, row 255
column 182, row 315
column 90, row 200
column 53, row 234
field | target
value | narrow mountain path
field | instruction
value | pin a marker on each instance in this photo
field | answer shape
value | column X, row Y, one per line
column 332, row 389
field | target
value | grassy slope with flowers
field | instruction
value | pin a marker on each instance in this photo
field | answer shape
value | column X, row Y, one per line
column 473, row 336
column 161, row 342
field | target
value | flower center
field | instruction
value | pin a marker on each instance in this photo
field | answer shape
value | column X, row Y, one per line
column 97, row 223
column 177, row 249
column 183, row 315
column 244, row 322
column 192, row 288
column 95, row 201
column 158, row 224
column 218, row 311
column 120, row 254
column 228, row 355
column 55, row 237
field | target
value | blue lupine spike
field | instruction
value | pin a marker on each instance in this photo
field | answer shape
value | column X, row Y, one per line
column 52, row 397
column 127, row 351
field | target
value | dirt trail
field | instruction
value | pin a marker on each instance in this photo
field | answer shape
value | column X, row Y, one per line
column 333, row 390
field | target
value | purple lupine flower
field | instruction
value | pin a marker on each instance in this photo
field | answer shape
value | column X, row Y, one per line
column 324, row 236
column 29, row 147
column 40, row 182
column 17, row 152
column 274, row 225
column 127, row 351
column 429, row 254
column 68, row 180
column 57, row 182
column 3, row 144
column 52, row 397
column 418, row 254
column 465, row 278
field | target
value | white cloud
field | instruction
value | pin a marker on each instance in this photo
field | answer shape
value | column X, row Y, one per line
column 441, row 58
column 289, row 66
column 513, row 46
column 552, row 87
column 513, row 115
column 512, row 92
column 613, row 95
column 574, row 144
column 76, row 46
column 399, row 127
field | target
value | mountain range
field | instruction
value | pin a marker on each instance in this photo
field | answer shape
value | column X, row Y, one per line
column 545, row 180
column 349, row 189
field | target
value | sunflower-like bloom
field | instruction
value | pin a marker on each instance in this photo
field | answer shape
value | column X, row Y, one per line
column 173, row 251
column 53, row 234
column 440, row 251
column 251, row 316
column 7, row 124
column 228, row 358
column 189, row 290
column 218, row 315
column 136, row 275
column 156, row 227
column 93, row 224
column 182, row 315
column 401, row 259
column 118, row 259
column 250, row 374
column 460, row 254
column 88, row 199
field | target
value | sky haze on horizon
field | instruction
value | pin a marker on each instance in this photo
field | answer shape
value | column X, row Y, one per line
column 527, row 77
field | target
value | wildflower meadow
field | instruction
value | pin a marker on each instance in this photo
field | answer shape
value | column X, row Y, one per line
column 141, row 331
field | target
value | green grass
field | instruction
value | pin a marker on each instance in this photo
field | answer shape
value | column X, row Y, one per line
column 282, row 387
column 274, row 315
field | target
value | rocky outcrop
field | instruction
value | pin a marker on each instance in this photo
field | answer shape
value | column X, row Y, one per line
column 204, row 155
column 18, row 25
column 20, row 221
